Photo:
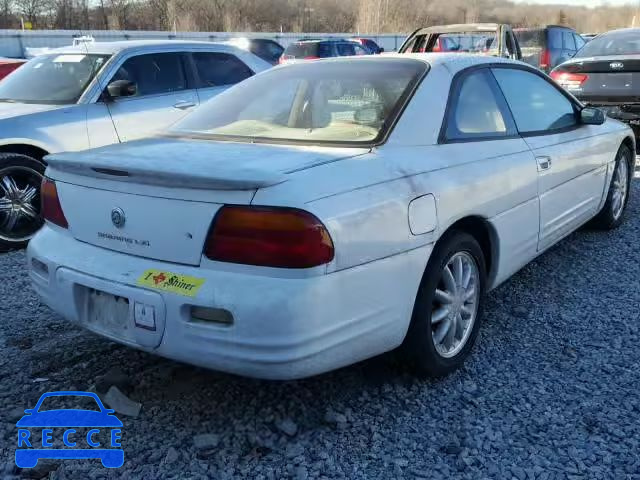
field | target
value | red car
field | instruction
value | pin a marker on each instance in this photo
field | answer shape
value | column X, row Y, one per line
column 8, row 65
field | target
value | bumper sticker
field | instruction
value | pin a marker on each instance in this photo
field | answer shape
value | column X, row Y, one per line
column 171, row 282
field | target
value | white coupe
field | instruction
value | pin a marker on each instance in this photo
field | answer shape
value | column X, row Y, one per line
column 321, row 213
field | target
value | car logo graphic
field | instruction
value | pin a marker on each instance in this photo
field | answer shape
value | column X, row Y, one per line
column 118, row 218
column 61, row 424
column 616, row 65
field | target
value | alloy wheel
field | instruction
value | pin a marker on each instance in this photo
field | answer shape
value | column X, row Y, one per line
column 620, row 186
column 20, row 216
column 455, row 304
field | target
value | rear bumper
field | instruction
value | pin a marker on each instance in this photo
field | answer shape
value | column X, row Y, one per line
column 282, row 328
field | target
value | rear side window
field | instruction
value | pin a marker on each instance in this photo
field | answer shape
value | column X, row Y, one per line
column 536, row 104
column 216, row 69
column 346, row 49
column 555, row 38
column 568, row 41
column 477, row 109
column 269, row 51
column 155, row 73
column 579, row 41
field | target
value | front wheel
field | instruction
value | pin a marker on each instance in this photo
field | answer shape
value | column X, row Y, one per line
column 20, row 219
column 612, row 212
column 448, row 308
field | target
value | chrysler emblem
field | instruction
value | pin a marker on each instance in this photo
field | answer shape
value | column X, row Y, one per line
column 616, row 65
column 118, row 218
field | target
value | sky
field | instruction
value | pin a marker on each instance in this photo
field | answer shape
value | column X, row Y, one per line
column 586, row 3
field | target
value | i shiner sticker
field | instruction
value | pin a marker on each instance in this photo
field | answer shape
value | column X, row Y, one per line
column 171, row 282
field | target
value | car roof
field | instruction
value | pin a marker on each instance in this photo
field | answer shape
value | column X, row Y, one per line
column 320, row 40
column 459, row 27
column 116, row 47
column 453, row 62
column 622, row 30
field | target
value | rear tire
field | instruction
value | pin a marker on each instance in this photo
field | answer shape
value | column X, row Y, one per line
column 20, row 219
column 612, row 213
column 448, row 308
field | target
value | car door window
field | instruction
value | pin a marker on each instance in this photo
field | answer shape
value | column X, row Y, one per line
column 579, row 41
column 537, row 105
column 568, row 41
column 154, row 73
column 217, row 69
column 477, row 109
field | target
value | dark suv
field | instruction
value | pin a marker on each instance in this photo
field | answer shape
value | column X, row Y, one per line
column 548, row 47
column 316, row 49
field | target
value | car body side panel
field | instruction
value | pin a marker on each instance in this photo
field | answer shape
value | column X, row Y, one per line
column 571, row 189
column 485, row 179
column 56, row 130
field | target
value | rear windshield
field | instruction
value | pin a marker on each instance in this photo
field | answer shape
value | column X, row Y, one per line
column 310, row 49
column 466, row 42
column 530, row 38
column 339, row 102
column 615, row 43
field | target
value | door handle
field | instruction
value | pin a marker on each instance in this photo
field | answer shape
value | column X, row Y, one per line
column 183, row 105
column 544, row 163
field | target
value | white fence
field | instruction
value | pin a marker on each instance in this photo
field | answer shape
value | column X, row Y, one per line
column 14, row 42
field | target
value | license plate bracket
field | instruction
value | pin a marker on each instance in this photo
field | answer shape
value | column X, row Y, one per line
column 108, row 312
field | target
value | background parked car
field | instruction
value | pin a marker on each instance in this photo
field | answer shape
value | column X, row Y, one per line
column 315, row 49
column 8, row 65
column 606, row 73
column 548, row 47
column 369, row 44
column 479, row 38
column 265, row 48
column 97, row 94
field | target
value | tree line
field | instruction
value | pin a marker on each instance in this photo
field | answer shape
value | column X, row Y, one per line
column 358, row 16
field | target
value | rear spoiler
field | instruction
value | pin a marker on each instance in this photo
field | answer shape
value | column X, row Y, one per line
column 192, row 173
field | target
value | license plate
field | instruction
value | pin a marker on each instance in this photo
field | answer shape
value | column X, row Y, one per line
column 108, row 312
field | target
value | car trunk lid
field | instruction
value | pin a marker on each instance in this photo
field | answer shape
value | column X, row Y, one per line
column 611, row 79
column 157, row 198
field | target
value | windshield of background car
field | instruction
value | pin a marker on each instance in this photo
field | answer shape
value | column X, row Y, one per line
column 309, row 49
column 52, row 79
column 473, row 42
column 530, row 38
column 318, row 102
column 616, row 43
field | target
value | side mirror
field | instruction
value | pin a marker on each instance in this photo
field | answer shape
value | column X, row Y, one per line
column 122, row 88
column 592, row 116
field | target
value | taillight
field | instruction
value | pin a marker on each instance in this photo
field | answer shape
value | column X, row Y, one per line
column 568, row 80
column 312, row 57
column 545, row 60
column 269, row 237
column 50, row 204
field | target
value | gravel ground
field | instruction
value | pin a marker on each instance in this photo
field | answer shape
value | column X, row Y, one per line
column 550, row 392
